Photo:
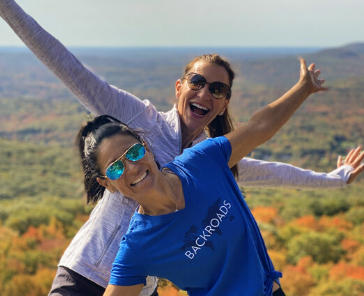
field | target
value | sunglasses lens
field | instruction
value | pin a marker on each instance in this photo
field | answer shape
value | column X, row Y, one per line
column 115, row 171
column 196, row 82
column 136, row 152
column 219, row 90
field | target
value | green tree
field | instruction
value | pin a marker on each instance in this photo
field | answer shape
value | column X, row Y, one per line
column 322, row 247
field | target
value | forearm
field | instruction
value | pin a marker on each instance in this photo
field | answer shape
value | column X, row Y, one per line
column 112, row 290
column 271, row 118
column 265, row 123
column 86, row 86
column 258, row 173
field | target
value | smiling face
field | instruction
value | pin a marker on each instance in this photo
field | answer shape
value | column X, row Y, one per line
column 139, row 176
column 198, row 108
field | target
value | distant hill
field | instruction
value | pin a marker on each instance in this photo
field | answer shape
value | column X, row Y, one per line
column 282, row 72
column 354, row 50
column 148, row 72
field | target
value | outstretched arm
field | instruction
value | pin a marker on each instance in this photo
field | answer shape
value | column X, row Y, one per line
column 267, row 121
column 258, row 173
column 255, row 173
column 98, row 96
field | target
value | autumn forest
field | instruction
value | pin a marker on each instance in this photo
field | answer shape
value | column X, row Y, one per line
column 315, row 237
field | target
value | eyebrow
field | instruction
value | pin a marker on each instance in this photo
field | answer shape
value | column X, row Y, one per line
column 123, row 154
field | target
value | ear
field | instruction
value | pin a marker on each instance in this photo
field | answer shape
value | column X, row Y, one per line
column 149, row 151
column 225, row 105
column 146, row 147
column 106, row 184
column 178, row 88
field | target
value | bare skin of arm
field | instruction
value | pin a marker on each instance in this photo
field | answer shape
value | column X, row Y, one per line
column 112, row 290
column 266, row 122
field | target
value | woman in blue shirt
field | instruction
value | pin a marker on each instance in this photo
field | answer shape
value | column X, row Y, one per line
column 192, row 225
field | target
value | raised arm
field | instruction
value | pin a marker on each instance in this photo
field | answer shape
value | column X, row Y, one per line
column 267, row 121
column 98, row 96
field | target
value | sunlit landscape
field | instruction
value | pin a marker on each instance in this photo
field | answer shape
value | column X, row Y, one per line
column 314, row 237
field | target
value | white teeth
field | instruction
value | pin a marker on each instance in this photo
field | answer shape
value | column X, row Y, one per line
column 140, row 179
column 199, row 106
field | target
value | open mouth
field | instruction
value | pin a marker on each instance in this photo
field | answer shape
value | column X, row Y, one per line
column 136, row 182
column 199, row 109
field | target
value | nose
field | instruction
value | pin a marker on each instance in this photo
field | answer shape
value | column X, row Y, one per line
column 204, row 93
column 131, row 167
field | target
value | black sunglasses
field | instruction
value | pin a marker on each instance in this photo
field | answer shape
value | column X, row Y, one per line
column 217, row 89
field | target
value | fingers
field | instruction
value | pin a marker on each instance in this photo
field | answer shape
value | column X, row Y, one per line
column 358, row 170
column 359, row 159
column 319, row 83
column 303, row 63
column 356, row 173
column 339, row 161
column 348, row 157
column 351, row 152
column 317, row 74
column 309, row 76
column 354, row 157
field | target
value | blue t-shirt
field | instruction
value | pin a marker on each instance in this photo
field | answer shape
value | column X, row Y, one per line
column 211, row 247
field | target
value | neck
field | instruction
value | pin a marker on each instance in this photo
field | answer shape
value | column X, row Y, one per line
column 188, row 135
column 166, row 196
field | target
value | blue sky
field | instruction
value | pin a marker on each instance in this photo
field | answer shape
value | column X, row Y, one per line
column 320, row 23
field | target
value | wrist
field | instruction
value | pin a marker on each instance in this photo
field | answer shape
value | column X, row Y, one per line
column 303, row 88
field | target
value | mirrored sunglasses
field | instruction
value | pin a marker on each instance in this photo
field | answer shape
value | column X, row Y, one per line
column 115, row 170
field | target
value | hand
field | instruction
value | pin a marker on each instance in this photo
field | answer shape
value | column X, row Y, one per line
column 310, row 77
column 354, row 159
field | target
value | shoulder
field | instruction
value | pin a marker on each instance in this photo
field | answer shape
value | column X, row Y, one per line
column 212, row 151
column 213, row 147
column 128, row 253
column 128, row 267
